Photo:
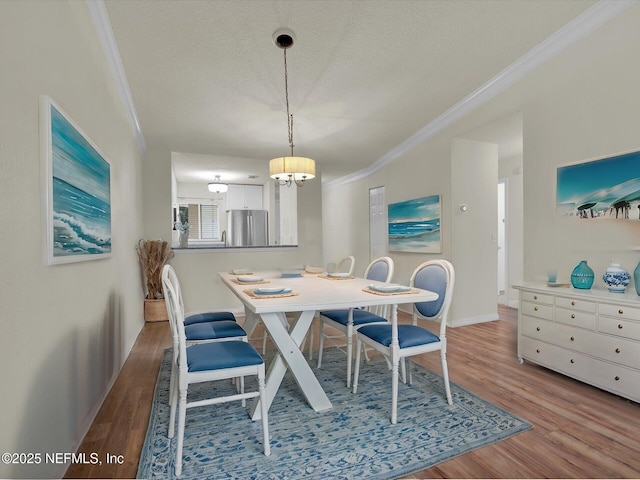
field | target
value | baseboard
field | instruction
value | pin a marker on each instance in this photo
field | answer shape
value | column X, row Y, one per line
column 461, row 322
column 89, row 419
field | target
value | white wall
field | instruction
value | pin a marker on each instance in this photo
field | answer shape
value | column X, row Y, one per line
column 65, row 330
column 474, row 180
column 581, row 105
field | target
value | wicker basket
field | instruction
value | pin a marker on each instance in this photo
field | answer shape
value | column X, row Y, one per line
column 155, row 310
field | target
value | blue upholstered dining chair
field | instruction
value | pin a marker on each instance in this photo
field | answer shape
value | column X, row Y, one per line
column 200, row 330
column 396, row 342
column 207, row 362
column 348, row 321
column 204, row 327
column 201, row 317
column 347, row 265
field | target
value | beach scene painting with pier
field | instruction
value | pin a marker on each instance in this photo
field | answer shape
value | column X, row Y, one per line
column 608, row 188
column 78, row 179
column 414, row 225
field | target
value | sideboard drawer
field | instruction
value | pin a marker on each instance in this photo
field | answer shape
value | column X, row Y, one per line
column 537, row 310
column 619, row 327
column 576, row 304
column 576, row 318
column 614, row 349
column 611, row 377
column 617, row 311
column 539, row 329
column 536, row 297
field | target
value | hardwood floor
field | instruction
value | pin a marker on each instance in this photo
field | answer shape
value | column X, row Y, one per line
column 579, row 431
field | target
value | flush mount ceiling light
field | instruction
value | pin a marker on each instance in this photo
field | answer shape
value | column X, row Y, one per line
column 217, row 186
column 289, row 170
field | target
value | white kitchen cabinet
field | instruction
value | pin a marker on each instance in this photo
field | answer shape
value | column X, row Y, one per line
column 244, row 197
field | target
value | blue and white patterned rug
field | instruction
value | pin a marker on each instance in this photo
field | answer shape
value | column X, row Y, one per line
column 353, row 440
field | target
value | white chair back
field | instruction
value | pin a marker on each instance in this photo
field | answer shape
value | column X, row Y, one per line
column 346, row 265
column 437, row 276
column 175, row 311
column 381, row 270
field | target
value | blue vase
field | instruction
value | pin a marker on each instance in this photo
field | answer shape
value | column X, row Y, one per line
column 636, row 278
column 582, row 276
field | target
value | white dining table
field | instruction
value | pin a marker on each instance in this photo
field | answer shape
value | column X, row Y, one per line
column 314, row 293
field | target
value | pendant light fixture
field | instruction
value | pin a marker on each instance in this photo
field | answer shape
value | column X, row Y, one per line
column 217, row 186
column 292, row 169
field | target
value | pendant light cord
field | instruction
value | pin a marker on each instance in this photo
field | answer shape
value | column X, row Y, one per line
column 286, row 95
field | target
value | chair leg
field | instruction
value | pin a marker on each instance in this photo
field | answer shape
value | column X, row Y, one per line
column 173, row 395
column 182, row 412
column 264, row 412
column 244, row 400
column 356, row 372
column 321, row 346
column 172, row 380
column 349, row 355
column 394, row 392
column 445, row 376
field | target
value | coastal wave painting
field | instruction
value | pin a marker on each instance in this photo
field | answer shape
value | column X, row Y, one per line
column 80, row 194
column 414, row 225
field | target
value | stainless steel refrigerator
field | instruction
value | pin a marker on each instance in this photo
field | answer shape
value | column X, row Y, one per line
column 247, row 228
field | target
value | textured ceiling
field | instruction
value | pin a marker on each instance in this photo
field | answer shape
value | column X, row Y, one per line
column 364, row 76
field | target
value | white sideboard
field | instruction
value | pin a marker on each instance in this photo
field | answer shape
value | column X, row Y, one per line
column 590, row 335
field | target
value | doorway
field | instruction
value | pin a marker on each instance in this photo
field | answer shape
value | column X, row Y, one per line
column 502, row 242
column 377, row 223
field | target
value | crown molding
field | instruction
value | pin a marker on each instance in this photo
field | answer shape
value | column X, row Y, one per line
column 102, row 24
column 580, row 27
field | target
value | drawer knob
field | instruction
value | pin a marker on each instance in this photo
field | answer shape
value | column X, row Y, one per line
column 620, row 311
column 535, row 309
column 620, row 326
column 537, row 350
column 573, row 304
column 617, row 350
column 573, row 315
column 572, row 339
column 617, row 378
column 535, row 297
column 572, row 361
column 538, row 329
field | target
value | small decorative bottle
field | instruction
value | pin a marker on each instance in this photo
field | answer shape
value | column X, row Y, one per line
column 582, row 276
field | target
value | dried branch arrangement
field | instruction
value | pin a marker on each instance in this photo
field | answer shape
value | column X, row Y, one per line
column 153, row 254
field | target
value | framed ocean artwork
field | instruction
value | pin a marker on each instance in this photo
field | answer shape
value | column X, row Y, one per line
column 606, row 188
column 414, row 225
column 77, row 188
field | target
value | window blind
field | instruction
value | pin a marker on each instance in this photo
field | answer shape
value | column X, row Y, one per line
column 209, row 222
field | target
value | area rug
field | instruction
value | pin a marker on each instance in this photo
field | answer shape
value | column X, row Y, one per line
column 354, row 440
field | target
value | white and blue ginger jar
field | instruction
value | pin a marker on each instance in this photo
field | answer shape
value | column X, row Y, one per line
column 616, row 278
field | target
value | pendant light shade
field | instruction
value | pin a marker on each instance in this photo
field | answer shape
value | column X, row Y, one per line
column 286, row 169
column 217, row 186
